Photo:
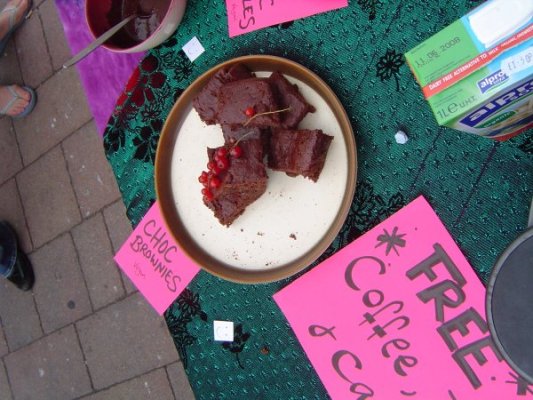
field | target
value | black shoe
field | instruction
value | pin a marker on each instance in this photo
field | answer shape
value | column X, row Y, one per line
column 22, row 275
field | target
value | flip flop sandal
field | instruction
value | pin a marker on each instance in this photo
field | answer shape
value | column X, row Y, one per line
column 29, row 108
column 13, row 26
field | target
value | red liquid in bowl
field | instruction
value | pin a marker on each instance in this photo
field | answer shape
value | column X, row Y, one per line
column 139, row 29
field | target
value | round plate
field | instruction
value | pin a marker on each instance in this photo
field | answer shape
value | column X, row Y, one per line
column 509, row 303
column 292, row 223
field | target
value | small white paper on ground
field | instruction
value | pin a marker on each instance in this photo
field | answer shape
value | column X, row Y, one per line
column 223, row 331
column 401, row 137
column 193, row 49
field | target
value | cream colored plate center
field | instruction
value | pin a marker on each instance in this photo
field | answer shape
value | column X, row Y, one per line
column 286, row 222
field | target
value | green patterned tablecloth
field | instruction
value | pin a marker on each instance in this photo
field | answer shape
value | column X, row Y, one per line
column 481, row 189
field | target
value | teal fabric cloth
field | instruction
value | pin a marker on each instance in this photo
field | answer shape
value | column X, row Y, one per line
column 481, row 189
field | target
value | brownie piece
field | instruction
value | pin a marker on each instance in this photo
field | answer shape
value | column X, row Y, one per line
column 242, row 183
column 288, row 96
column 298, row 152
column 205, row 103
column 235, row 98
column 234, row 133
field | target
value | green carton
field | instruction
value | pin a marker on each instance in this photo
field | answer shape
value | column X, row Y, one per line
column 477, row 73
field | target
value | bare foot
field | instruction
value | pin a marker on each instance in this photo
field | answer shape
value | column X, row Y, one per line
column 16, row 7
column 19, row 101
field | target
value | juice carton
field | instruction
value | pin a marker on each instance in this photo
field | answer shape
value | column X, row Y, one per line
column 477, row 73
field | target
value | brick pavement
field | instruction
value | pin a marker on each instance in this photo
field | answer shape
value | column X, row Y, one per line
column 84, row 332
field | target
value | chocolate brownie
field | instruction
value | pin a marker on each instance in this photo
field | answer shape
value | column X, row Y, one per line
column 234, row 133
column 241, row 184
column 235, row 98
column 288, row 96
column 205, row 103
column 298, row 152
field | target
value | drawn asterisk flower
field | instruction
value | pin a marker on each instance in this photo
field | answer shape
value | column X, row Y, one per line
column 392, row 240
column 389, row 66
column 522, row 386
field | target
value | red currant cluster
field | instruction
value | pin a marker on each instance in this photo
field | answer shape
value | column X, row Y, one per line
column 210, row 179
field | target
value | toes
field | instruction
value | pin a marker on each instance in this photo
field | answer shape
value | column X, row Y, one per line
column 16, row 110
column 22, row 102
column 17, row 104
column 23, row 94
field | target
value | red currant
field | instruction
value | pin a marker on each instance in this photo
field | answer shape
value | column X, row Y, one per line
column 217, row 170
column 207, row 194
column 236, row 151
column 203, row 177
column 223, row 163
column 214, row 182
column 249, row 112
column 221, row 152
column 213, row 167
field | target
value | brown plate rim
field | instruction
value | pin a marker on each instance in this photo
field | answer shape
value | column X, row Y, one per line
column 165, row 149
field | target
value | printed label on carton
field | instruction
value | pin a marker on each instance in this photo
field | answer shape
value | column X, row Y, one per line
column 494, row 106
column 492, row 81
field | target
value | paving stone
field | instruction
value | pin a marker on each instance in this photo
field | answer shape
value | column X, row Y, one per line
column 119, row 228
column 96, row 258
column 10, row 162
column 51, row 368
column 32, row 52
column 19, row 316
column 12, row 212
column 9, row 65
column 153, row 385
column 61, row 109
column 124, row 340
column 55, row 36
column 180, row 382
column 92, row 177
column 3, row 344
column 128, row 284
column 48, row 198
column 5, row 390
column 118, row 224
column 60, row 292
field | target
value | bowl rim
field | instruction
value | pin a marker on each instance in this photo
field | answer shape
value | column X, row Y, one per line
column 164, row 195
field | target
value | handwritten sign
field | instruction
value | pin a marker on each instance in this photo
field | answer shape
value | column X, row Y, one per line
column 249, row 15
column 154, row 262
column 399, row 314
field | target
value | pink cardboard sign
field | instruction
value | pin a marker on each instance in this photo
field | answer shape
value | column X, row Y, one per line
column 154, row 263
column 249, row 15
column 399, row 313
